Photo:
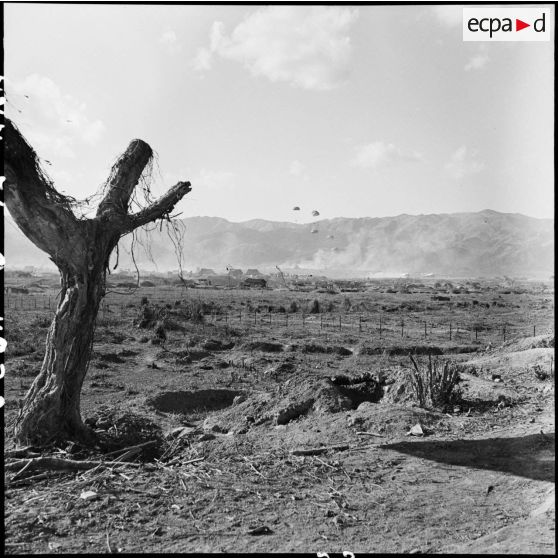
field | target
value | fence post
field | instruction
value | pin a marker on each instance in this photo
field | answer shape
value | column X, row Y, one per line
column 360, row 323
column 402, row 327
column 450, row 331
column 504, row 332
column 339, row 322
column 534, row 329
column 321, row 321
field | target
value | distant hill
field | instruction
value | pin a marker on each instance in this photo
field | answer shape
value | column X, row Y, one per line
column 486, row 243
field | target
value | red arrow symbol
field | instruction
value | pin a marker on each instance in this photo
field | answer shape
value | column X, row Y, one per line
column 519, row 25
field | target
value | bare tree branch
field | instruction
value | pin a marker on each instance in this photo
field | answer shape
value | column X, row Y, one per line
column 42, row 213
column 124, row 177
column 159, row 208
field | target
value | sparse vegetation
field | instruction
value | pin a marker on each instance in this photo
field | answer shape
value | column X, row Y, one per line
column 332, row 386
column 435, row 383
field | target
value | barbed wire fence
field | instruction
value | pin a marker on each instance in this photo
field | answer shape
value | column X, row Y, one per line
column 259, row 316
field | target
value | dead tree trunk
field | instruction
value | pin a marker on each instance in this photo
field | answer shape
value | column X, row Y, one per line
column 81, row 249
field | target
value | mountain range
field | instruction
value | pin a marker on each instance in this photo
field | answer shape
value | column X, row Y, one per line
column 485, row 243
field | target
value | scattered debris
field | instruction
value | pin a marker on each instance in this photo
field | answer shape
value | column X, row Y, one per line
column 318, row 451
column 263, row 530
column 416, row 430
column 540, row 373
column 370, row 434
column 88, row 495
column 239, row 399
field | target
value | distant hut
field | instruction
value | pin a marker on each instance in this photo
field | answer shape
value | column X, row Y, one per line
column 254, row 283
column 223, row 280
column 16, row 290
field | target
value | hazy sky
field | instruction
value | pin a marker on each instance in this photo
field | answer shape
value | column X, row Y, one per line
column 353, row 111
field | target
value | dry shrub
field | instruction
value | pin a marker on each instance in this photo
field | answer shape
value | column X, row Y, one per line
column 436, row 383
column 194, row 311
column 160, row 331
column 21, row 348
column 314, row 307
column 41, row 322
column 147, row 317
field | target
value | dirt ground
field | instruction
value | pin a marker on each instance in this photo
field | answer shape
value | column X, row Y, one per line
column 261, row 443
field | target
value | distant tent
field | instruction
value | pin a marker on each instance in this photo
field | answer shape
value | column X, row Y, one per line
column 314, row 231
column 296, row 208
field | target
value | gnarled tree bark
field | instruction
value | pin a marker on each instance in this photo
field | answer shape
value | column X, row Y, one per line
column 81, row 249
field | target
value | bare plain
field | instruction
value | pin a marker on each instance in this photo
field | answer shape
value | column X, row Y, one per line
column 266, row 420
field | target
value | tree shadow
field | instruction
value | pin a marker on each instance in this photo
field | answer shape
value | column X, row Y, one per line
column 529, row 456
